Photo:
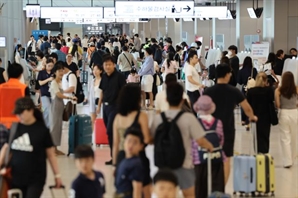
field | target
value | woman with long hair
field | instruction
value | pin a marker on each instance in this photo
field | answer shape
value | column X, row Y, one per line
column 57, row 105
column 95, row 92
column 75, row 54
column 261, row 98
column 30, row 147
column 130, row 116
column 268, row 69
column 247, row 71
column 286, row 102
column 169, row 65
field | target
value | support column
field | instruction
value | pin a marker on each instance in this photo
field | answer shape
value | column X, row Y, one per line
column 214, row 32
column 195, row 27
column 268, row 22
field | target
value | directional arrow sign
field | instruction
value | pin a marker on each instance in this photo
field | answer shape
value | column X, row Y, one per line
column 155, row 9
column 187, row 9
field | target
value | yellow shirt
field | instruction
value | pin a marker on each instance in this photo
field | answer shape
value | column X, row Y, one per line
column 80, row 50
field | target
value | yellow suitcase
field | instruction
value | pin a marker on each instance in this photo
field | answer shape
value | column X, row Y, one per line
column 265, row 174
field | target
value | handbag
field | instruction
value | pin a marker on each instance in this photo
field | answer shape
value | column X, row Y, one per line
column 273, row 114
column 68, row 111
column 251, row 81
column 5, row 179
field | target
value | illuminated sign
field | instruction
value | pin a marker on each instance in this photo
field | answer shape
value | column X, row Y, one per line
column 210, row 12
column 32, row 11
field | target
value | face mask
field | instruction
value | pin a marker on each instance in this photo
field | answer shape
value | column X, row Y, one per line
column 230, row 53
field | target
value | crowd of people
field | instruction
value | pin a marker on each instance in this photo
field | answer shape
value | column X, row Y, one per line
column 126, row 75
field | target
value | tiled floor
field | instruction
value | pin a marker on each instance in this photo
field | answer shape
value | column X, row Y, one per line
column 286, row 179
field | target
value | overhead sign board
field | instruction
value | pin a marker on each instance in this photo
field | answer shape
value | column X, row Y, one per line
column 210, row 12
column 33, row 10
column 109, row 13
column 154, row 9
column 71, row 13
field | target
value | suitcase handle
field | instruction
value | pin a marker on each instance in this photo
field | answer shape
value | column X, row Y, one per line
column 251, row 175
column 51, row 187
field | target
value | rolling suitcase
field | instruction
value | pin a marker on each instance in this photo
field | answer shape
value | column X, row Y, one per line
column 101, row 137
column 214, row 194
column 84, row 75
column 54, row 187
column 80, row 131
column 265, row 174
column 245, row 172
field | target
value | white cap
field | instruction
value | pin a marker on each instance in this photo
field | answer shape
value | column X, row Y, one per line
column 194, row 45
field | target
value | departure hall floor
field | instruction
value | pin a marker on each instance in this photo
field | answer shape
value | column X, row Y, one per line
column 286, row 179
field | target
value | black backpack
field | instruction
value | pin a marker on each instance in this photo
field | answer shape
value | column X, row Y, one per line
column 169, row 149
column 158, row 56
column 79, row 91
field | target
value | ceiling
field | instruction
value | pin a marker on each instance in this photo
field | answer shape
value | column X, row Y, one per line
column 96, row 3
column 71, row 3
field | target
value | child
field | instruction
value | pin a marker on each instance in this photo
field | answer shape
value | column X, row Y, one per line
column 89, row 183
column 205, row 79
column 133, row 77
column 165, row 184
column 129, row 173
column 214, row 134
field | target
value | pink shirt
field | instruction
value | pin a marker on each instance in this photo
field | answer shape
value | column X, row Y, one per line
column 133, row 79
column 170, row 69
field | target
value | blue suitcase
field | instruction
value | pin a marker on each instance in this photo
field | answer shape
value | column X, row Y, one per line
column 80, row 132
column 244, row 174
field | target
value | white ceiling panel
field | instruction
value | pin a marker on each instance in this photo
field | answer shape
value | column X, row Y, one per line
column 71, row 3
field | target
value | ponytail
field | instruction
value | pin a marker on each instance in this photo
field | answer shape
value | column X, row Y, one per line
column 38, row 115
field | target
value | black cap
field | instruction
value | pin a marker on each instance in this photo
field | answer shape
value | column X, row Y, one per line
column 23, row 104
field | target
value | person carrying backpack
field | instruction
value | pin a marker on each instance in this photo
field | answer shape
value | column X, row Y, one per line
column 173, row 137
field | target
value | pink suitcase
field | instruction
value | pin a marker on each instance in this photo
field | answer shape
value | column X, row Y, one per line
column 101, row 137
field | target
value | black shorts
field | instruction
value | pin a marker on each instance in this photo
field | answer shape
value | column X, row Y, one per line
column 145, row 162
column 201, row 183
column 228, row 146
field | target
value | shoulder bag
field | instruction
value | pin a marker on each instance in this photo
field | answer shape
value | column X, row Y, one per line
column 130, row 62
column 5, row 179
column 251, row 81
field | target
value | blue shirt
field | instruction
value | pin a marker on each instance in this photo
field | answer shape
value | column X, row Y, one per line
column 44, row 46
column 61, row 56
column 129, row 170
column 44, row 89
column 83, row 187
column 147, row 67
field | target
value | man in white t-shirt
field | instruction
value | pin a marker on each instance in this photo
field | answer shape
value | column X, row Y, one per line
column 193, row 80
column 161, row 103
column 69, row 83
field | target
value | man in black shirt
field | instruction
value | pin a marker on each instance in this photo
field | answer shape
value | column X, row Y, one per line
column 45, row 77
column 234, row 60
column 71, row 65
column 111, row 83
column 226, row 97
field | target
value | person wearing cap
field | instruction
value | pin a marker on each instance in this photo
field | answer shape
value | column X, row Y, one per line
column 204, row 107
column 226, row 97
column 90, row 51
column 31, row 146
column 147, row 71
column 189, row 132
column 234, row 60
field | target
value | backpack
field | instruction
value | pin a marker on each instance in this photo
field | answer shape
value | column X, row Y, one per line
column 212, row 137
column 169, row 149
column 158, row 56
column 79, row 91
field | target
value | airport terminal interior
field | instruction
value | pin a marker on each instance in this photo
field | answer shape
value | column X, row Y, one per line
column 250, row 31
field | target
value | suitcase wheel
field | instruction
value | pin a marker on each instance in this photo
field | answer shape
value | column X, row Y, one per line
column 234, row 193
